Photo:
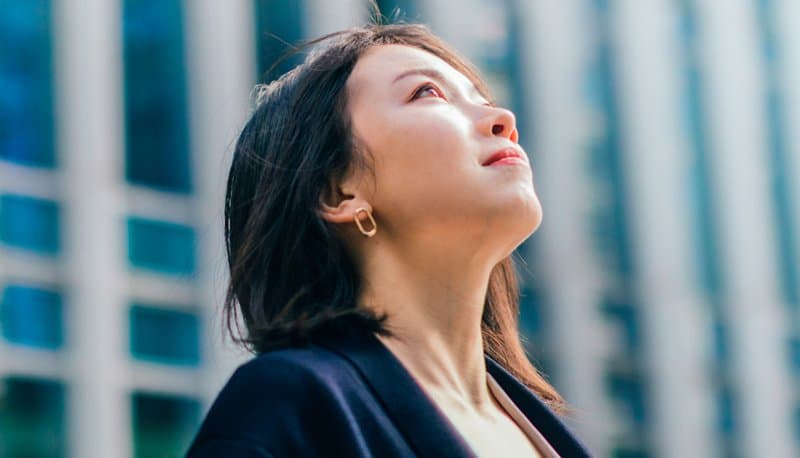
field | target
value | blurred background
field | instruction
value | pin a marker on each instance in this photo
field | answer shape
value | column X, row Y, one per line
column 661, row 293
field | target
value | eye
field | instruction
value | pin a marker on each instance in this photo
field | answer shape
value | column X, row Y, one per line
column 427, row 87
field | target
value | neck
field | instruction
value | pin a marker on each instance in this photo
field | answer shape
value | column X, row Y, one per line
column 434, row 303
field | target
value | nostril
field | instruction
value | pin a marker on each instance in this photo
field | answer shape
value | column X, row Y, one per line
column 497, row 129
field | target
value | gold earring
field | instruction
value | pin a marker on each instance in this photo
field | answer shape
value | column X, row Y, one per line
column 370, row 232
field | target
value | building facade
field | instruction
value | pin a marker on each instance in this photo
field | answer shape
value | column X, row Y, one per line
column 661, row 294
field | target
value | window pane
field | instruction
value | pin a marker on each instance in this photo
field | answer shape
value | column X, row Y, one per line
column 29, row 223
column 283, row 19
column 156, row 137
column 628, row 388
column 794, row 355
column 398, row 10
column 166, row 336
column 163, row 426
column 26, row 110
column 161, row 246
column 31, row 418
column 32, row 316
column 626, row 318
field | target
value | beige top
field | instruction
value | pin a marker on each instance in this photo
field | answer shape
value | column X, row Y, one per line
column 538, row 440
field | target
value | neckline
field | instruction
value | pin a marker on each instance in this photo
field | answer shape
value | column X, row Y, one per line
column 537, row 439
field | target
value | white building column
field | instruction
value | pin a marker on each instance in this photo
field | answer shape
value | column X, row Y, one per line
column 740, row 173
column 325, row 16
column 90, row 150
column 556, row 50
column 657, row 153
column 221, row 69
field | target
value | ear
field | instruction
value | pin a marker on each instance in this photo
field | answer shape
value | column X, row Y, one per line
column 336, row 206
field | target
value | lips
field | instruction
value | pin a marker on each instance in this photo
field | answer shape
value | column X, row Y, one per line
column 508, row 152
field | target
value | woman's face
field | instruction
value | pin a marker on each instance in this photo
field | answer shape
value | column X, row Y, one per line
column 430, row 133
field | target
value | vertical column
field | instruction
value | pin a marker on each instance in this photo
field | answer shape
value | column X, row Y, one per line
column 556, row 55
column 87, row 60
column 740, row 172
column 323, row 16
column 657, row 155
column 786, row 15
column 221, row 68
column 455, row 29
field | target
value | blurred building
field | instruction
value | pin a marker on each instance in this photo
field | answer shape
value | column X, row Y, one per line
column 661, row 293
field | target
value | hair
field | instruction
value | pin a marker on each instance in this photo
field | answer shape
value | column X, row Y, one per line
column 291, row 277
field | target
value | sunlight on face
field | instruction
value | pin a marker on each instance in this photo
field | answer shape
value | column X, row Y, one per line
column 430, row 131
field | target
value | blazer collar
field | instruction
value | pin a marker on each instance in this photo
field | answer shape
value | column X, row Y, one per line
column 416, row 416
column 551, row 427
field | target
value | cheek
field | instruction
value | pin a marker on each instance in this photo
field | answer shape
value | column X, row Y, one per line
column 430, row 141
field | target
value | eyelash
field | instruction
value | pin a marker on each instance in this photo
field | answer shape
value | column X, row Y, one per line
column 425, row 86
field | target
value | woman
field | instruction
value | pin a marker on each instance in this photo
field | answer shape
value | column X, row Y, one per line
column 374, row 199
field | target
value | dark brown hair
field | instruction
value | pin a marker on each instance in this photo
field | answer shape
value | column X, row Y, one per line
column 290, row 276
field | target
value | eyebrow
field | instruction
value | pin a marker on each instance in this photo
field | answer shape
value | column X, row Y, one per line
column 436, row 75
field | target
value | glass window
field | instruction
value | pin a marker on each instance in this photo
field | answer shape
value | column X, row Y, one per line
column 626, row 317
column 161, row 246
column 700, row 194
column 26, row 108
column 163, row 426
column 32, row 316
column 628, row 388
column 166, row 336
column 279, row 24
column 726, row 411
column 794, row 355
column 604, row 151
column 720, row 341
column 31, row 418
column 156, row 126
column 781, row 186
column 29, row 223
column 629, row 451
column 398, row 10
column 797, row 421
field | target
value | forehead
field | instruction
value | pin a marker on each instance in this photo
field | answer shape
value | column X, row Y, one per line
column 378, row 67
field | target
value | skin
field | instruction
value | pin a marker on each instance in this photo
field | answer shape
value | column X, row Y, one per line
column 443, row 222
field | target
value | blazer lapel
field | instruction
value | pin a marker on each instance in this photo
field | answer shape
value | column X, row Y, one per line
column 423, row 425
column 556, row 432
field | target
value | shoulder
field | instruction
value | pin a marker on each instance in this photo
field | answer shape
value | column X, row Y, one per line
column 271, row 398
column 290, row 370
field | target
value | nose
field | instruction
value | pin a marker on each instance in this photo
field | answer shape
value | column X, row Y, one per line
column 500, row 122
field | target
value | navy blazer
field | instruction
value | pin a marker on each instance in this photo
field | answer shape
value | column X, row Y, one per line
column 347, row 396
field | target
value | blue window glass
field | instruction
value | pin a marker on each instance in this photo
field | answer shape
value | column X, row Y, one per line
column 701, row 198
column 156, row 125
column 163, row 426
column 165, row 336
column 794, row 355
column 628, row 451
column 781, row 185
column 530, row 309
column 29, row 223
column 628, row 388
column 279, row 25
column 626, row 317
column 719, row 335
column 32, row 317
column 26, row 83
column 160, row 246
column 605, row 151
column 797, row 421
column 398, row 10
column 32, row 418
column 726, row 411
